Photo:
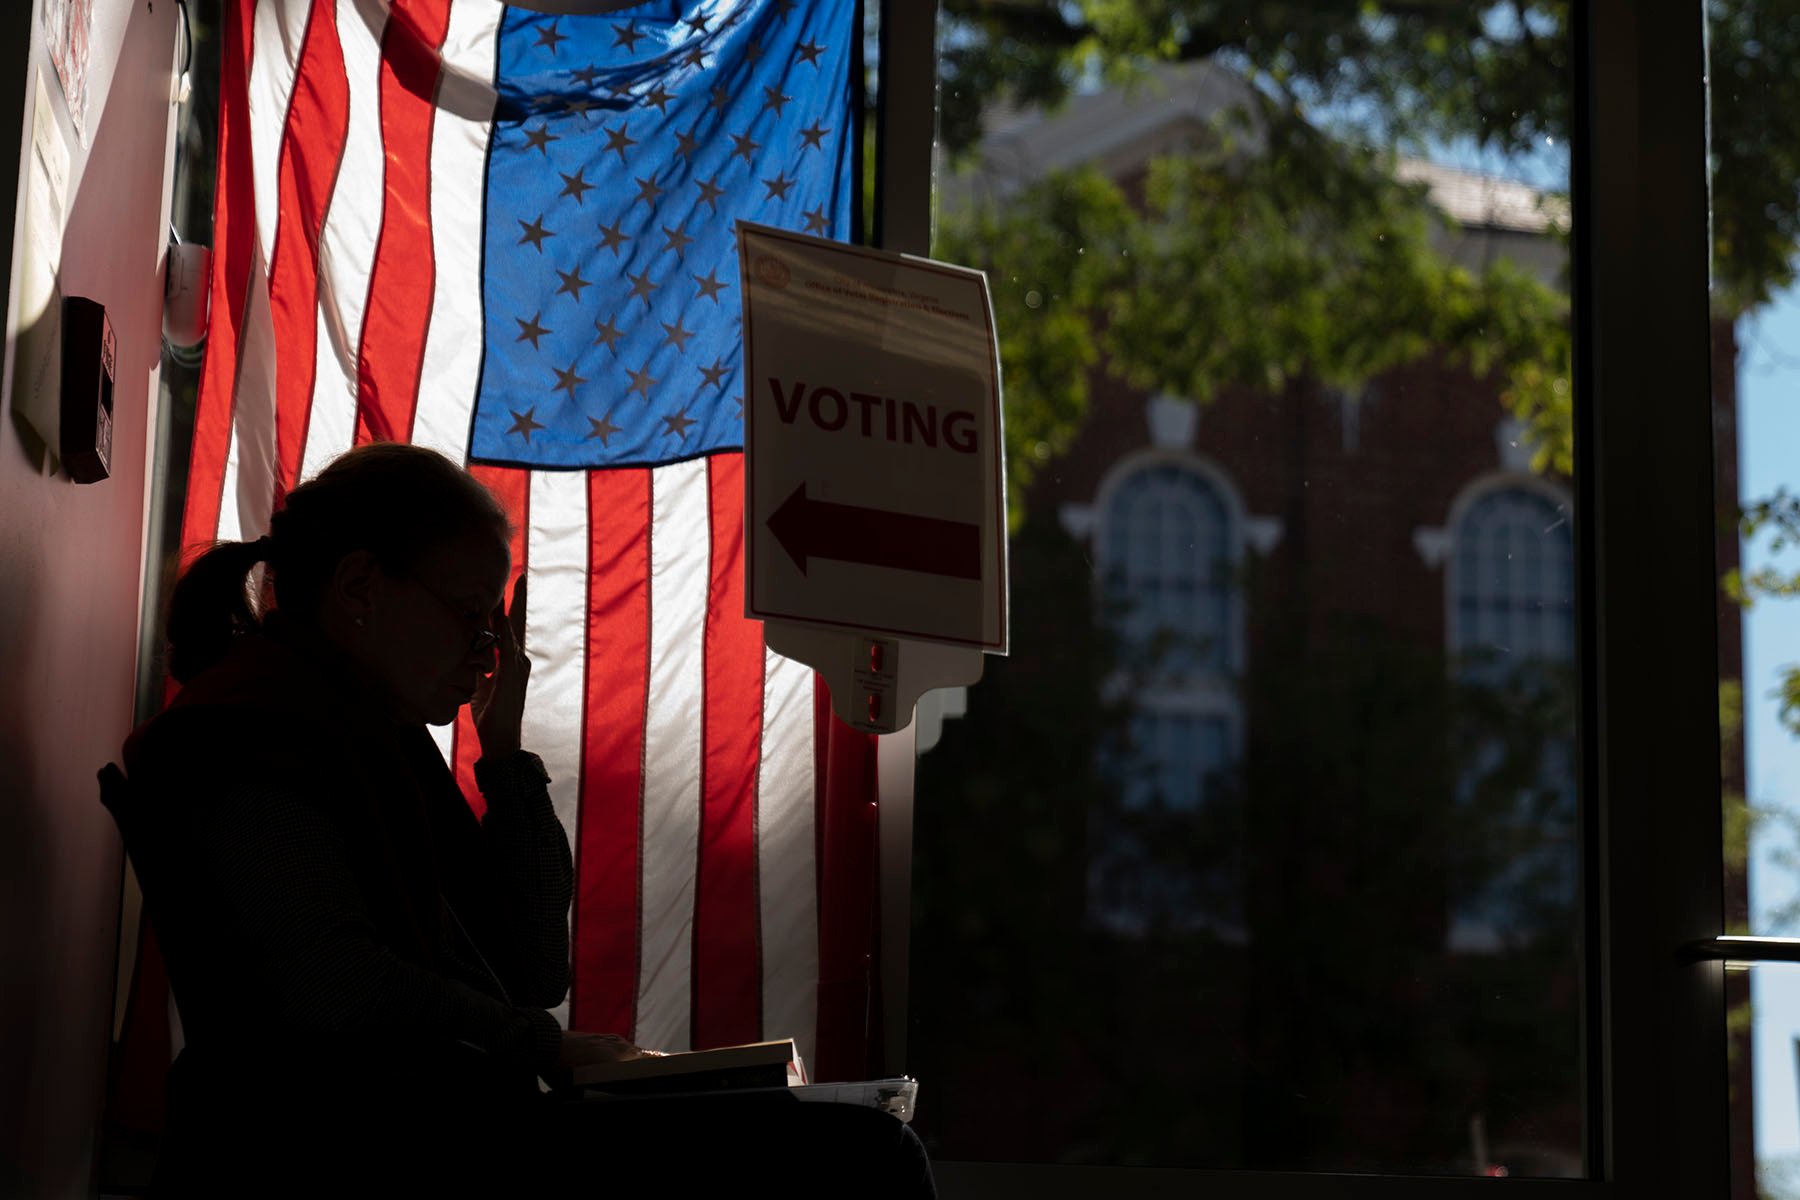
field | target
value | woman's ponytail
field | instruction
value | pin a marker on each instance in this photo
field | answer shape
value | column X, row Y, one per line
column 395, row 500
column 210, row 604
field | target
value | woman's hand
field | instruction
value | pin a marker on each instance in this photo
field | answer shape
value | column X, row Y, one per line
column 586, row 1049
column 499, row 702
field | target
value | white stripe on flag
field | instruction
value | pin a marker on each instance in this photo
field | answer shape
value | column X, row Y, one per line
column 556, row 565
column 786, row 887
column 231, row 526
column 680, row 549
column 248, row 494
column 451, row 365
column 451, row 369
column 347, row 243
column 275, row 55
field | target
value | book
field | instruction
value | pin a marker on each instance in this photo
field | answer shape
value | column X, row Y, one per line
column 753, row 1065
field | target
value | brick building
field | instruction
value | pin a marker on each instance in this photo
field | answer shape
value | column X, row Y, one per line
column 1339, row 661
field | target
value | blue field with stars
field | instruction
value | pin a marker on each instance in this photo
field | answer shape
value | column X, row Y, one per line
column 625, row 147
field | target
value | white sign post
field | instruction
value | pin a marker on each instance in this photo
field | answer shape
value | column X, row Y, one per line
column 875, row 488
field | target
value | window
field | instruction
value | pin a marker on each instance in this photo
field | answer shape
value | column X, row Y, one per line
column 1512, row 580
column 1511, row 634
column 1331, row 1045
column 1232, row 806
column 1169, row 547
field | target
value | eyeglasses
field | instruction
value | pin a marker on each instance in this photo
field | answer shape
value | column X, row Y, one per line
column 484, row 640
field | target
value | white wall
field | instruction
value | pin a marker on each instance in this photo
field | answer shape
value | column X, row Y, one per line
column 69, row 594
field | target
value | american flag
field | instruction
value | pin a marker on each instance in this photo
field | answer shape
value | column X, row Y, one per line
column 508, row 236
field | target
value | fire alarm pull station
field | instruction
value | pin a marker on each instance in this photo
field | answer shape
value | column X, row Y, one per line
column 89, row 362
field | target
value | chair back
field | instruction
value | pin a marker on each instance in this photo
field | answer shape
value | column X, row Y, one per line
column 170, row 889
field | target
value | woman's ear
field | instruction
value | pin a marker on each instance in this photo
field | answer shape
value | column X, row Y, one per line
column 355, row 586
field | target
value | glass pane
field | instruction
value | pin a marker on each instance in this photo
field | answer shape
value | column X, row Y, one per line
column 1260, row 850
column 1765, row 1048
column 1756, row 368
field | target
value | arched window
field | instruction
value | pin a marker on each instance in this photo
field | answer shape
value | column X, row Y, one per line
column 1168, row 540
column 1167, row 546
column 1511, row 599
column 1512, row 582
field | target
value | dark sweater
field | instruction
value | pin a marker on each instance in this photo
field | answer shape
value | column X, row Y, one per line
column 338, row 925
column 339, row 892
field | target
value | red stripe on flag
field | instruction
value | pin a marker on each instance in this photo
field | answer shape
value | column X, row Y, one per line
column 605, row 934
column 401, row 281
column 512, row 487
column 312, row 148
column 727, row 980
column 848, row 881
column 234, row 245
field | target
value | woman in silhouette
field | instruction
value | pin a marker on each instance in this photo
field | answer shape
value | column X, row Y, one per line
column 363, row 968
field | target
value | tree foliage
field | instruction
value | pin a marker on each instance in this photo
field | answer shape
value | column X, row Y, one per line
column 1412, row 75
column 1496, row 73
column 1279, row 248
column 1316, row 223
column 1246, row 277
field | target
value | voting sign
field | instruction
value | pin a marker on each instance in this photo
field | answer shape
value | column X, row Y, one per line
column 874, row 482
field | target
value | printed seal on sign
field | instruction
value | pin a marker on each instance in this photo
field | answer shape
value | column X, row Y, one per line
column 772, row 271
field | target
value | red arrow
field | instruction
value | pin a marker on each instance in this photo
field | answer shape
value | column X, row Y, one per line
column 876, row 538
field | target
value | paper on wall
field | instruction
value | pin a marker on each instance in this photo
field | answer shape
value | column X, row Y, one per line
column 37, row 378
column 69, row 34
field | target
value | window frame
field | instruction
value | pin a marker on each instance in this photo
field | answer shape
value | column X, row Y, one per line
column 1654, row 1040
